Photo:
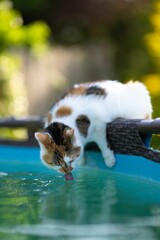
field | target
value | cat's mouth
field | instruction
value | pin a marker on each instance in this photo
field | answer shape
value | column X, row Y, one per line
column 71, row 161
column 66, row 167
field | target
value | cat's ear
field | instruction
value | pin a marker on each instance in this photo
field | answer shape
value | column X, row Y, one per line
column 69, row 133
column 42, row 137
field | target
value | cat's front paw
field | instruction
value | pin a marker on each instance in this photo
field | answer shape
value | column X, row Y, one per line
column 110, row 160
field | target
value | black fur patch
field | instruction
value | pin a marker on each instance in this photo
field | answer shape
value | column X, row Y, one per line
column 95, row 90
column 83, row 123
column 56, row 130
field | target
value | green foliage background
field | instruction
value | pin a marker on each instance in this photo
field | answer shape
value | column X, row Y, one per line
column 13, row 37
column 132, row 27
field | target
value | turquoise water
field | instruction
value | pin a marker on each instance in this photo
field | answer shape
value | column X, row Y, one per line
column 96, row 205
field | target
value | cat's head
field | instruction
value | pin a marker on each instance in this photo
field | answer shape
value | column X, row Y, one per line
column 58, row 148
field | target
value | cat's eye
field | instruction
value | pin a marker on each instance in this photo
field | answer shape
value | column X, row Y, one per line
column 57, row 161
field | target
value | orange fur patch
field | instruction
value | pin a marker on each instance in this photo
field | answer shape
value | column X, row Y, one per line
column 147, row 116
column 47, row 159
column 130, row 82
column 49, row 117
column 63, row 111
column 78, row 91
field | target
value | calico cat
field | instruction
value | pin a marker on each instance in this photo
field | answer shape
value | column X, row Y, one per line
column 81, row 116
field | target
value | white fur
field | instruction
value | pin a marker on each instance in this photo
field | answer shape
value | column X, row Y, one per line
column 130, row 101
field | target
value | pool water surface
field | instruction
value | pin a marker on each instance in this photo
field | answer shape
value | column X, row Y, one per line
column 96, row 205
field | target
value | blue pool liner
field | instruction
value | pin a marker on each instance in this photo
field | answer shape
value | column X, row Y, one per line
column 27, row 159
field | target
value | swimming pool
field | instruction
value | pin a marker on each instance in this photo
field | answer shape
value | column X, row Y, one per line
column 122, row 203
column 36, row 203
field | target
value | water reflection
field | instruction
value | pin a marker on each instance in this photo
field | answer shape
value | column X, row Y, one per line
column 93, row 206
column 82, row 202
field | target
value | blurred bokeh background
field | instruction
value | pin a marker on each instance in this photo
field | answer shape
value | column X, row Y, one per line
column 47, row 46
